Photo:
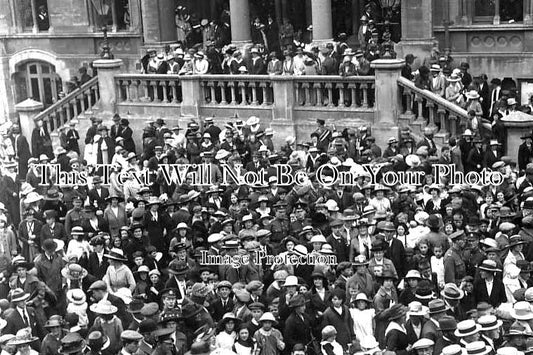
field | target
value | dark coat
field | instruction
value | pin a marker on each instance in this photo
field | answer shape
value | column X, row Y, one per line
column 396, row 341
column 22, row 153
column 342, row 323
column 41, row 144
column 129, row 143
column 100, row 199
column 396, row 253
column 297, row 330
column 93, row 265
column 57, row 233
column 218, row 310
column 15, row 323
column 497, row 295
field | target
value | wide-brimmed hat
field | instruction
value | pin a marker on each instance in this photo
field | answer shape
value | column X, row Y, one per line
column 412, row 160
column 178, row 268
column 437, row 306
column 360, row 260
column 452, row 292
column 489, row 322
column 466, row 328
column 416, row 308
column 396, row 311
column 103, row 307
column 97, row 340
column 489, row 265
column 72, row 343
column 228, row 317
column 472, row 94
column 477, row 348
column 522, row 311
column 67, row 271
column 453, row 78
column 54, row 321
column 53, row 194
column 268, row 316
column 18, row 295
column 413, row 274
column 20, row 261
column 76, row 296
column 32, row 197
column 23, row 337
column 190, row 310
column 361, row 296
column 112, row 196
column 116, row 254
column 515, row 240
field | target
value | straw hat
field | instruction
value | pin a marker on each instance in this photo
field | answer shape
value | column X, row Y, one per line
column 522, row 311
column 103, row 307
column 472, row 94
column 76, row 296
column 466, row 328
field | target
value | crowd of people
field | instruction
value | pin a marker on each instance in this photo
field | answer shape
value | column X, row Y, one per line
column 123, row 260
column 111, row 266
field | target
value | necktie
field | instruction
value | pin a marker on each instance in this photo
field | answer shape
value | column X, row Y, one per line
column 42, row 132
column 25, row 317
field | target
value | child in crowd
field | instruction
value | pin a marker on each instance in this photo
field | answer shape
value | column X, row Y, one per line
column 362, row 314
column 437, row 263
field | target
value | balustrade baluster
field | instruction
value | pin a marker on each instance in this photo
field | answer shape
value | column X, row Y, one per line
column 442, row 119
column 81, row 99
column 155, row 88
column 266, row 94
column 90, row 101
column 329, row 87
column 173, row 86
column 58, row 119
column 431, row 124
column 365, row 88
column 120, row 97
column 453, row 124
column 317, row 88
column 97, row 93
column 420, row 102
column 254, row 93
column 233, row 93
column 145, row 84
column 242, row 86
column 341, row 94
column 62, row 114
column 222, row 86
column 297, row 94
column 69, row 113
column 163, row 84
column 352, row 87
column 126, row 85
column 213, row 100
column 305, row 86
column 408, row 102
column 75, row 106
column 135, row 90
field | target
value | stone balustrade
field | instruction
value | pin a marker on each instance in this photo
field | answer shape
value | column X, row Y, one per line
column 443, row 116
column 77, row 102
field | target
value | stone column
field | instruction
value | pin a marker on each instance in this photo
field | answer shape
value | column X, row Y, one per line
column 158, row 22
column 496, row 20
column 282, row 110
column 322, row 21
column 27, row 110
column 417, row 29
column 240, row 21
column 528, row 8
column 388, row 102
column 279, row 16
column 107, row 69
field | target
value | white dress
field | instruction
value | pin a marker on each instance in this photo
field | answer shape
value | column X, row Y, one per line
column 363, row 321
column 225, row 341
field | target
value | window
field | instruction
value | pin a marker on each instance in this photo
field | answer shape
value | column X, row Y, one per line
column 33, row 15
column 38, row 81
column 116, row 14
column 504, row 11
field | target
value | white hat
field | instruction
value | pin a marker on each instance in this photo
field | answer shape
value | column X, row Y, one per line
column 417, row 309
column 291, row 281
column 477, row 348
column 521, row 311
column 319, row 238
column 423, row 343
column 489, row 322
column 466, row 328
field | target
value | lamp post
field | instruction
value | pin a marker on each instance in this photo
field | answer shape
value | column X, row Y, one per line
column 103, row 10
column 386, row 7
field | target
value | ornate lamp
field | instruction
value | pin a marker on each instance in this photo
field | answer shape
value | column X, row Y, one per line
column 102, row 9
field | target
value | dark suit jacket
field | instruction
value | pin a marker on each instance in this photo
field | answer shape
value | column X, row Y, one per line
column 411, row 335
column 297, row 330
column 23, row 236
column 339, row 247
column 497, row 295
column 15, row 323
column 57, row 233
column 396, row 253
column 474, row 161
column 93, row 266
column 100, row 199
column 218, row 311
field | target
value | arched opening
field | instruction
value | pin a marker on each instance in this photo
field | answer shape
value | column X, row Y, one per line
column 37, row 80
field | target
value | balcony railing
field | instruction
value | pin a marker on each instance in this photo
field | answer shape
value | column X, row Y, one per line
column 334, row 91
column 444, row 117
column 245, row 90
column 78, row 101
column 164, row 89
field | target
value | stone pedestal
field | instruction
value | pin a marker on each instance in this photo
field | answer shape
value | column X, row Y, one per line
column 107, row 69
column 158, row 22
column 192, row 94
column 388, row 103
column 322, row 21
column 240, row 22
column 517, row 124
column 417, row 29
column 27, row 110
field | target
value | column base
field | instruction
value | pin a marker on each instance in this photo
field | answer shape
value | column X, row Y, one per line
column 322, row 42
column 243, row 46
column 283, row 129
column 382, row 132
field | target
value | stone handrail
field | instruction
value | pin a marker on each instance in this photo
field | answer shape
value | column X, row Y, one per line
column 448, row 114
column 248, row 90
column 334, row 91
column 69, row 107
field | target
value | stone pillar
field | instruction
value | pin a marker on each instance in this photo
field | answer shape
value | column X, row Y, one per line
column 496, row 20
column 6, row 93
column 517, row 124
column 107, row 69
column 322, row 21
column 283, row 120
column 191, row 86
column 417, row 29
column 279, row 16
column 27, row 110
column 240, row 21
column 388, row 103
column 528, row 8
column 158, row 22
